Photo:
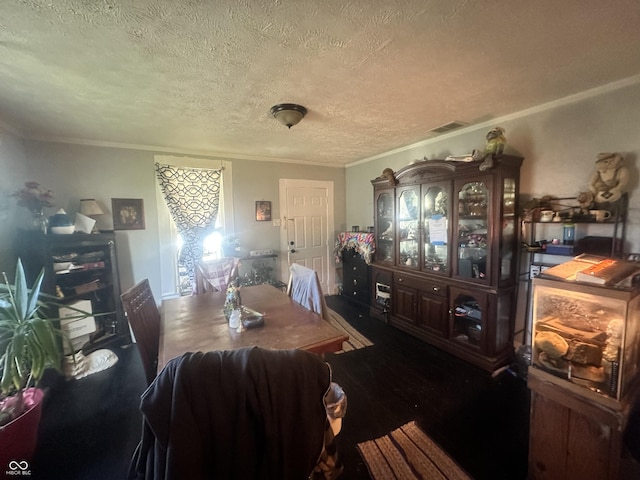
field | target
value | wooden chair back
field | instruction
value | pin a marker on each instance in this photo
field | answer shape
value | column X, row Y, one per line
column 144, row 317
column 215, row 275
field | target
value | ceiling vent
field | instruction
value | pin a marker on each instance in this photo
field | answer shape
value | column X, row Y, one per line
column 447, row 127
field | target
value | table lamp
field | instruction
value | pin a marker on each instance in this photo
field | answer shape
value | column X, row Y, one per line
column 90, row 208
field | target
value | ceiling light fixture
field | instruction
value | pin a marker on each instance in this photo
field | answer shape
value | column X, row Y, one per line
column 288, row 114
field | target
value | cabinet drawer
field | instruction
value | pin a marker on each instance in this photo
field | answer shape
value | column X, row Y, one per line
column 355, row 271
column 356, row 282
column 356, row 291
column 432, row 287
column 351, row 256
column 359, row 292
column 358, row 270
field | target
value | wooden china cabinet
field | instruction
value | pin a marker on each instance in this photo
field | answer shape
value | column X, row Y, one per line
column 447, row 245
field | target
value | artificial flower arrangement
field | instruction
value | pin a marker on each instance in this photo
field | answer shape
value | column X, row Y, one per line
column 35, row 197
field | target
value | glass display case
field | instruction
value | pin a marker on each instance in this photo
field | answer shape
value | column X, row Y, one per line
column 436, row 228
column 473, row 234
column 468, row 321
column 385, row 247
column 408, row 227
column 586, row 334
column 508, row 253
column 446, row 235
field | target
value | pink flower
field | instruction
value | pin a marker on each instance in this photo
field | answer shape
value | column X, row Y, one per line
column 34, row 196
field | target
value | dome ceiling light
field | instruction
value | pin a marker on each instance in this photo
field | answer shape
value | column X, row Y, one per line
column 288, row 114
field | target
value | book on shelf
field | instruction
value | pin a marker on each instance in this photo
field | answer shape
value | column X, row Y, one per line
column 569, row 269
column 596, row 270
column 609, row 272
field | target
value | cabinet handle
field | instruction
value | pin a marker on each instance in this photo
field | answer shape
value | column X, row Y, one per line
column 436, row 289
column 355, row 281
column 400, row 279
column 354, row 268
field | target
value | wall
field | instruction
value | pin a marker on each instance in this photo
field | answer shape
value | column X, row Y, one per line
column 76, row 171
column 559, row 143
column 259, row 181
column 14, row 174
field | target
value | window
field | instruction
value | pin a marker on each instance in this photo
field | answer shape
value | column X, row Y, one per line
column 172, row 278
column 212, row 249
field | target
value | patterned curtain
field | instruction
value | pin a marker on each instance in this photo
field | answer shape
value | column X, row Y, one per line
column 193, row 198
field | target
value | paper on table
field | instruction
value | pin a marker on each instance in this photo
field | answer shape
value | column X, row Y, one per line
column 84, row 224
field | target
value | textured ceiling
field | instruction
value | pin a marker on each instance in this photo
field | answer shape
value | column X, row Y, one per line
column 201, row 76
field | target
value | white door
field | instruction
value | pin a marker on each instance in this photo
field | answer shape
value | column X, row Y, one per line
column 306, row 229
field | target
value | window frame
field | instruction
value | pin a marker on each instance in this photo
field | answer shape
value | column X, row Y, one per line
column 167, row 231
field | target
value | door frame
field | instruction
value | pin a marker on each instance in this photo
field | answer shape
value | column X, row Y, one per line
column 284, row 183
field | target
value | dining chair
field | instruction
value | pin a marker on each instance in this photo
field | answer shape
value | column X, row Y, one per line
column 304, row 288
column 143, row 315
column 236, row 414
column 214, row 275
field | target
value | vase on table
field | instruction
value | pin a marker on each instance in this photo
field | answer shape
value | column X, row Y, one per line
column 40, row 221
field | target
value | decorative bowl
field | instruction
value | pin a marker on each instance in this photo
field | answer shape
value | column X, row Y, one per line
column 63, row 230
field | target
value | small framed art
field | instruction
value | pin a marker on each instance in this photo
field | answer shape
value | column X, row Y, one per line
column 128, row 213
column 263, row 211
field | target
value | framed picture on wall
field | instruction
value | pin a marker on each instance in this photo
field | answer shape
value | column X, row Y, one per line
column 263, row 211
column 128, row 213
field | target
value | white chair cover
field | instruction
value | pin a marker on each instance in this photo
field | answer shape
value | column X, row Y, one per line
column 304, row 288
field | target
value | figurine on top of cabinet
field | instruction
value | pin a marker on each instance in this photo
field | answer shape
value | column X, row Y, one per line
column 610, row 178
column 389, row 175
column 494, row 148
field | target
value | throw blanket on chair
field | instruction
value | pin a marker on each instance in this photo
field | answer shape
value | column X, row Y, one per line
column 241, row 414
column 304, row 288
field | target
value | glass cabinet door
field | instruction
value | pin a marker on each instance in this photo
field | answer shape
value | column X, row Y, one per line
column 472, row 237
column 384, row 222
column 436, row 222
column 508, row 232
column 408, row 227
column 469, row 316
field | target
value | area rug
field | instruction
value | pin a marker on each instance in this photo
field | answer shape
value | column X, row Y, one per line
column 407, row 453
column 356, row 339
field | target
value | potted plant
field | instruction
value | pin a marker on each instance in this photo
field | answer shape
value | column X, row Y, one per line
column 29, row 345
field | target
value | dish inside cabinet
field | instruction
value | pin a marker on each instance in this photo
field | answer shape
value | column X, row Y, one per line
column 587, row 335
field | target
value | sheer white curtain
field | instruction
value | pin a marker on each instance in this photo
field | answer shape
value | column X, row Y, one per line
column 193, row 198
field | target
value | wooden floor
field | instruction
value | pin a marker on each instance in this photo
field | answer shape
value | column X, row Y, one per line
column 482, row 422
column 90, row 427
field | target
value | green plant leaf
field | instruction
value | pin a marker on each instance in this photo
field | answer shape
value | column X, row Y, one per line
column 38, row 363
column 29, row 341
column 34, row 295
column 10, row 373
column 21, row 292
column 6, row 380
column 46, row 338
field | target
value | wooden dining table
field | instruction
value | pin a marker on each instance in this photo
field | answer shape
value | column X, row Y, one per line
column 197, row 323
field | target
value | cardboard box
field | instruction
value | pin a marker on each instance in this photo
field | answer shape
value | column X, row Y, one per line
column 77, row 327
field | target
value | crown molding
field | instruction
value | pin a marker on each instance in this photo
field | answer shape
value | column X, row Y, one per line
column 577, row 97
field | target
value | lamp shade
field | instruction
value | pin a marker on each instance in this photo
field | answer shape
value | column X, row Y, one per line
column 89, row 207
column 288, row 114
